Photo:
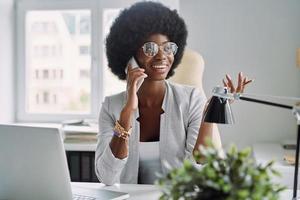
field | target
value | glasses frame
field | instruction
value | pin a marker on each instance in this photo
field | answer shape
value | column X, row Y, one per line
column 160, row 47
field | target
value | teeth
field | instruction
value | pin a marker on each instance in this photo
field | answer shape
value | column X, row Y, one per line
column 159, row 66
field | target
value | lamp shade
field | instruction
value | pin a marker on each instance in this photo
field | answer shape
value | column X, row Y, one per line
column 218, row 109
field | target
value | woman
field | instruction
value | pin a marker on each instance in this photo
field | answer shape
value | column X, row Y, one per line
column 142, row 128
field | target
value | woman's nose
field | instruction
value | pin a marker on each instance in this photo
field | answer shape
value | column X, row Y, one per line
column 161, row 54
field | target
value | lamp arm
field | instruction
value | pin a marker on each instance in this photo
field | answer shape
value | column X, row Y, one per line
column 241, row 97
column 223, row 93
column 253, row 95
column 295, row 109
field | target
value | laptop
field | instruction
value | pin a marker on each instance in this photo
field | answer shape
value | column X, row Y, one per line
column 33, row 166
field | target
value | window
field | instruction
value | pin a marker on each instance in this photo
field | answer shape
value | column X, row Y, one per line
column 46, row 21
column 62, row 67
column 54, row 99
column 84, row 50
column 45, row 97
column 45, row 74
column 84, row 74
column 37, row 98
column 43, row 27
column 85, row 24
column 70, row 20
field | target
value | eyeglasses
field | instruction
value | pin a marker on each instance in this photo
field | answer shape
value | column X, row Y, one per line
column 150, row 49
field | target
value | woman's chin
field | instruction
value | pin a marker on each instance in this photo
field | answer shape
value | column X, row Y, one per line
column 157, row 78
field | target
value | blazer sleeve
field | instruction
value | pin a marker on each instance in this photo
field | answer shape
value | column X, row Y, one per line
column 108, row 168
column 196, row 105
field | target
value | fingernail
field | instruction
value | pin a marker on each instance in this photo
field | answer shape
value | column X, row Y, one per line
column 228, row 76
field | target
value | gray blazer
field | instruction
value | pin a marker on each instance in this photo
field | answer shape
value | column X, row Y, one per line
column 179, row 126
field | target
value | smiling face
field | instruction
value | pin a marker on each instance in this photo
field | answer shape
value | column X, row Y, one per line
column 158, row 66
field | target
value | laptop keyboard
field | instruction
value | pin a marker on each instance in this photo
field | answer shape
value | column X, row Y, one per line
column 81, row 197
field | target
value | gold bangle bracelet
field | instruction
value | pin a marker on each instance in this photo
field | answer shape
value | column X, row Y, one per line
column 122, row 133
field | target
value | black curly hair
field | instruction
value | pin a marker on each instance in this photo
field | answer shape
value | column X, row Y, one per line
column 134, row 25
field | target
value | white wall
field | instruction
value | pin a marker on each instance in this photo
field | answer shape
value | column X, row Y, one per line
column 258, row 37
column 6, row 61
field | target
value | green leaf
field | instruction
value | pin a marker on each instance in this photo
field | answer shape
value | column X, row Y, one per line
column 235, row 177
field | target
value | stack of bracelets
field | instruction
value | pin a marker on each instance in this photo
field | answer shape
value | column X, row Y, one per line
column 120, row 132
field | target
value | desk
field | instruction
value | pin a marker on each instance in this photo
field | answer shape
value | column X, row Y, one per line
column 264, row 152
column 136, row 192
column 147, row 192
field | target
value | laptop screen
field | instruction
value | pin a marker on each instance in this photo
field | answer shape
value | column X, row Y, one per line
column 33, row 165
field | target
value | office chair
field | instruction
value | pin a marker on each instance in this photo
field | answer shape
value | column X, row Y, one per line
column 190, row 72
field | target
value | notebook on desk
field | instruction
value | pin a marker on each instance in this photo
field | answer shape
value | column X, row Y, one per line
column 33, row 166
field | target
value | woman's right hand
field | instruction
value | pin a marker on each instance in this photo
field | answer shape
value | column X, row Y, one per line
column 133, row 76
column 118, row 145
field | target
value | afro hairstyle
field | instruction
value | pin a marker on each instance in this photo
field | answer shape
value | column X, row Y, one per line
column 134, row 25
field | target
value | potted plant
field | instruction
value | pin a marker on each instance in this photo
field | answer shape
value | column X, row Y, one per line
column 234, row 176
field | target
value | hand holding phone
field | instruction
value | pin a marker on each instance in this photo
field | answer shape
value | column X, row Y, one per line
column 132, row 62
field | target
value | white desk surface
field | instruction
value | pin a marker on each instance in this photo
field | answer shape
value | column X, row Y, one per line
column 136, row 191
column 147, row 192
column 264, row 152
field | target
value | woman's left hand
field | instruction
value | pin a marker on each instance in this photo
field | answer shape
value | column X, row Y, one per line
column 242, row 82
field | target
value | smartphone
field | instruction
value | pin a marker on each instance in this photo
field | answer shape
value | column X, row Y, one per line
column 134, row 64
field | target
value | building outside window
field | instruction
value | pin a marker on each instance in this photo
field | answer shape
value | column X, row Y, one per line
column 84, row 50
column 45, row 74
column 84, row 24
column 84, row 74
column 45, row 97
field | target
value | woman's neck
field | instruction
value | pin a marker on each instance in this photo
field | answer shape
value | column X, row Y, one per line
column 151, row 93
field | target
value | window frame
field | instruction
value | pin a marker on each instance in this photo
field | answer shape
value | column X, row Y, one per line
column 96, row 56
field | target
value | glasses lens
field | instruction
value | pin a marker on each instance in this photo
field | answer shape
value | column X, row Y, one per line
column 170, row 48
column 150, row 49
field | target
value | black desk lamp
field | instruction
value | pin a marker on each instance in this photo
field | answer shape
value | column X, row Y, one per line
column 218, row 111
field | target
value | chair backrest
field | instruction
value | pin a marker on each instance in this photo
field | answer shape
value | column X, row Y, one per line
column 190, row 70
